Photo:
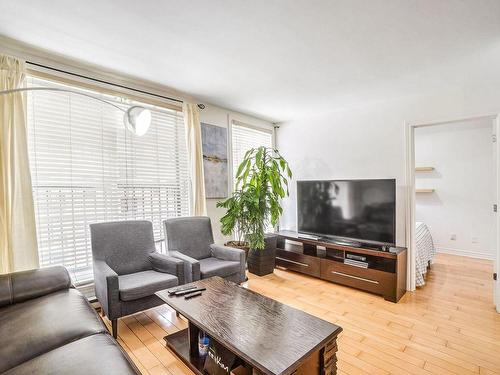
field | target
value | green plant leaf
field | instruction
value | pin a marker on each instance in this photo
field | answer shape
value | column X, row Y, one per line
column 240, row 168
column 282, row 164
column 258, row 156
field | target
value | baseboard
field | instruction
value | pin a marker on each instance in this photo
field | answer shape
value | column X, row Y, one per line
column 465, row 253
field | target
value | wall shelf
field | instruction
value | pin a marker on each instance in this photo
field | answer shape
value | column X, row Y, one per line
column 424, row 169
column 425, row 190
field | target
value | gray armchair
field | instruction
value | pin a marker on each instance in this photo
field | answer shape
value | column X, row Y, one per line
column 191, row 240
column 128, row 270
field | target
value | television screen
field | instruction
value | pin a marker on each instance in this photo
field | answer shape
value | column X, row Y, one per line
column 362, row 210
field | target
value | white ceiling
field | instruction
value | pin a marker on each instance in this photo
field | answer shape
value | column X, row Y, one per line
column 279, row 59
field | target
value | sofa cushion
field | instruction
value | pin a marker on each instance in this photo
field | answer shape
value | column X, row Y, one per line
column 42, row 324
column 142, row 284
column 96, row 354
column 20, row 286
column 216, row 267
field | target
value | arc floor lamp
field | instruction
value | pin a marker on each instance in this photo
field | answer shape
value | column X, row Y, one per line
column 137, row 119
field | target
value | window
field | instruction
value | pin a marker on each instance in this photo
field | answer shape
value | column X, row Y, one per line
column 87, row 168
column 244, row 137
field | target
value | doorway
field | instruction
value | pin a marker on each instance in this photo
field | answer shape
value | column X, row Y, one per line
column 450, row 194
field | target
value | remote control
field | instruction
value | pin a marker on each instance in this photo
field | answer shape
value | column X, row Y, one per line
column 180, row 289
column 193, row 294
column 183, row 292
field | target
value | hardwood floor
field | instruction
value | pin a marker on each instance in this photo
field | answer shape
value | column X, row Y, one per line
column 447, row 327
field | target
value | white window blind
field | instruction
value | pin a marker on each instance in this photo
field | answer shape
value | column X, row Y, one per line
column 244, row 138
column 87, row 168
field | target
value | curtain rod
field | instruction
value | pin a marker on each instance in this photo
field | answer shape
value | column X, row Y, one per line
column 102, row 81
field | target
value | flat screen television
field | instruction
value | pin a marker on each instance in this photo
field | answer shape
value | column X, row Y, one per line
column 357, row 210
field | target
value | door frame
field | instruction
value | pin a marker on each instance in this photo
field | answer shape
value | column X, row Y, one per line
column 496, row 286
column 410, row 196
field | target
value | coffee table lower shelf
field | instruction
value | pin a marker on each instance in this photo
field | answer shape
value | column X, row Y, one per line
column 178, row 342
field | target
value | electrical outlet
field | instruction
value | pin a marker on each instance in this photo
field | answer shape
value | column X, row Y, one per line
column 453, row 237
column 475, row 240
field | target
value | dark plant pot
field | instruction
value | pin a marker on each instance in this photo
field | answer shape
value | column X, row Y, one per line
column 261, row 262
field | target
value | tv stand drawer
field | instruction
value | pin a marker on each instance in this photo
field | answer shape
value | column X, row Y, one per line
column 298, row 262
column 371, row 280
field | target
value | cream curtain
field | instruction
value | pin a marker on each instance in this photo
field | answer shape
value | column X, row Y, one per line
column 18, row 244
column 195, row 159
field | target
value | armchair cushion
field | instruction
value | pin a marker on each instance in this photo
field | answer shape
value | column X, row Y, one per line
column 123, row 245
column 216, row 267
column 191, row 266
column 190, row 235
column 145, row 283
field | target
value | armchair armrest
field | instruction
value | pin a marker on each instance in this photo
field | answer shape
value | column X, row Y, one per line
column 231, row 254
column 21, row 286
column 227, row 253
column 168, row 264
column 191, row 266
column 107, row 288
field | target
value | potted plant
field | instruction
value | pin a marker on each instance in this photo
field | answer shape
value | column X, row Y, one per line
column 236, row 219
column 261, row 182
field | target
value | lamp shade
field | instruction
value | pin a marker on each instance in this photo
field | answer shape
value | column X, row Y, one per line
column 137, row 119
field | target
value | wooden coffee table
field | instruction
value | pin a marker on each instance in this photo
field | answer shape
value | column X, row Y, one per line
column 268, row 336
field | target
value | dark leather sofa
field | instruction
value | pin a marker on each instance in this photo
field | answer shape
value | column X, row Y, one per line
column 48, row 327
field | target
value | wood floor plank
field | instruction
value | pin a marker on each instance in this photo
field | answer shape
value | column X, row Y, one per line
column 360, row 364
column 159, row 370
column 437, row 358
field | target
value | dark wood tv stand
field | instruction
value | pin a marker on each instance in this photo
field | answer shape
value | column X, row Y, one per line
column 385, row 275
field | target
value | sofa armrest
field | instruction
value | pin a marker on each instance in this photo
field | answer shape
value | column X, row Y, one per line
column 21, row 286
column 191, row 266
column 227, row 253
column 167, row 264
column 107, row 289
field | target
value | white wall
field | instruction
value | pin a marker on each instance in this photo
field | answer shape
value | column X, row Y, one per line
column 463, row 179
column 369, row 142
column 222, row 117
